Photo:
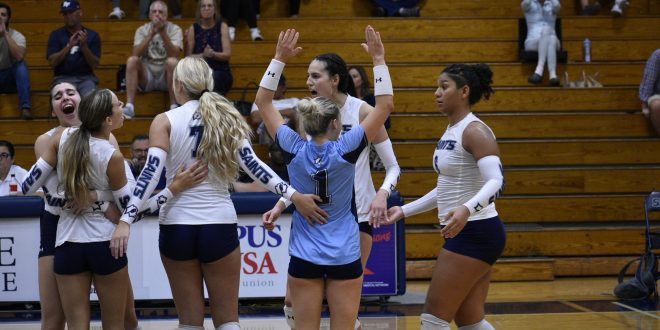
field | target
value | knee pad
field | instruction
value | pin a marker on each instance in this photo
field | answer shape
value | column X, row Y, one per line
column 481, row 325
column 189, row 327
column 229, row 326
column 430, row 322
column 290, row 317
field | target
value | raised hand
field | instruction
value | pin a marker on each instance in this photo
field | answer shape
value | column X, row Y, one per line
column 373, row 45
column 286, row 45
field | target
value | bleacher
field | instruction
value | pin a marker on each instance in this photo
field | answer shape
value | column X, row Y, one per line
column 578, row 162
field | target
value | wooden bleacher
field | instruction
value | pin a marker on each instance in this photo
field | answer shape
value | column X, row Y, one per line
column 578, row 162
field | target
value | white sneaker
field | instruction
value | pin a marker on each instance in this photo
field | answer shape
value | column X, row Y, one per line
column 117, row 13
column 129, row 111
column 256, row 34
column 232, row 33
column 619, row 6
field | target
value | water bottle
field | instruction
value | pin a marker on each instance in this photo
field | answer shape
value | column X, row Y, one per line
column 586, row 49
column 13, row 185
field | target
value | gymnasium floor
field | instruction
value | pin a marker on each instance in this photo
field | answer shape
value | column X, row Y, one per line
column 576, row 303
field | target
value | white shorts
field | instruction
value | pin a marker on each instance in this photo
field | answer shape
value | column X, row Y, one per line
column 156, row 77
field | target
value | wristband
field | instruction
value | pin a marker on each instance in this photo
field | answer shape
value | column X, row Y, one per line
column 382, row 81
column 271, row 78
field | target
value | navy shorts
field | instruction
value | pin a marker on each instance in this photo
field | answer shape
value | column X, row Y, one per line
column 366, row 228
column 207, row 243
column 48, row 232
column 479, row 239
column 74, row 258
column 300, row 268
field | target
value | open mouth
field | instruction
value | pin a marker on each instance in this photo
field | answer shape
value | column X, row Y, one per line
column 68, row 109
column 314, row 93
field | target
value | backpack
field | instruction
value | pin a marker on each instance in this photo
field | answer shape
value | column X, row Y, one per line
column 643, row 285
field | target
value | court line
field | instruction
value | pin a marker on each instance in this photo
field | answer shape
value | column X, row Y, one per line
column 636, row 310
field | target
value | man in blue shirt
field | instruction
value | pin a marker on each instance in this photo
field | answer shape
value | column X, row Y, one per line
column 74, row 51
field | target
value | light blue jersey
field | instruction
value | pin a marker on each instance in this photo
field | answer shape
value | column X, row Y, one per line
column 328, row 171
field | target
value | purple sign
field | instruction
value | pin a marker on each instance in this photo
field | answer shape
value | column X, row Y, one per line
column 380, row 275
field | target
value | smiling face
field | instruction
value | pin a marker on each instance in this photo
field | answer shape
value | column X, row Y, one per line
column 450, row 98
column 117, row 116
column 64, row 102
column 319, row 81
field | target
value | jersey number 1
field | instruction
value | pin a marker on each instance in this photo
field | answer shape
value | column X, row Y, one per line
column 321, row 178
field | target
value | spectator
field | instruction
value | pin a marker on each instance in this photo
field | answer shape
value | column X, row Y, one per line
column 649, row 90
column 155, row 53
column 116, row 12
column 7, row 167
column 405, row 8
column 209, row 38
column 13, row 70
column 231, row 10
column 286, row 106
column 541, row 37
column 139, row 149
column 592, row 9
column 74, row 50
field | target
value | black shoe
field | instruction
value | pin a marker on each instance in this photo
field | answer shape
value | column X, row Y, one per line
column 554, row 82
column 380, row 12
column 535, row 78
column 590, row 10
column 26, row 114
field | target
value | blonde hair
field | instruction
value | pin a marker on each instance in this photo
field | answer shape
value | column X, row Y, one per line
column 317, row 113
column 224, row 127
column 77, row 174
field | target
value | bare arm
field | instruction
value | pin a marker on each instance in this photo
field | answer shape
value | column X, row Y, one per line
column 141, row 48
column 190, row 42
column 172, row 50
column 17, row 52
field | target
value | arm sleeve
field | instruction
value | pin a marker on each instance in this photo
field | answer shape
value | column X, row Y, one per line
column 155, row 202
column 493, row 175
column 425, row 203
column 392, row 169
column 36, row 177
column 145, row 184
column 260, row 172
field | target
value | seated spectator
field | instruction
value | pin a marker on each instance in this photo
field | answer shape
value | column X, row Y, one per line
column 155, row 54
column 139, row 150
column 541, row 37
column 231, row 10
column 649, row 90
column 588, row 9
column 405, row 8
column 8, row 171
column 286, row 106
column 14, row 75
column 74, row 50
column 209, row 38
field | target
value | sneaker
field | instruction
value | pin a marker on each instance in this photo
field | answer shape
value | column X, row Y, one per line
column 117, row 13
column 256, row 34
column 129, row 111
column 26, row 114
column 409, row 12
column 590, row 10
column 619, row 6
column 535, row 78
column 554, row 82
column 232, row 33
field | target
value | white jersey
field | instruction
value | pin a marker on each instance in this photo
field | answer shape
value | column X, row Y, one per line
column 459, row 178
column 90, row 226
column 53, row 198
column 364, row 185
column 205, row 203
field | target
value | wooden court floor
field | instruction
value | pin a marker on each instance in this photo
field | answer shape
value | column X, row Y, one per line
column 565, row 303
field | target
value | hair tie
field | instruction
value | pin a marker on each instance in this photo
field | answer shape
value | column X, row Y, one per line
column 204, row 91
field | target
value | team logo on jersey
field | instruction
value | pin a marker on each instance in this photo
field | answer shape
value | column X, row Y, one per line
column 131, row 211
column 281, row 188
column 161, row 200
column 197, row 115
column 96, row 207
